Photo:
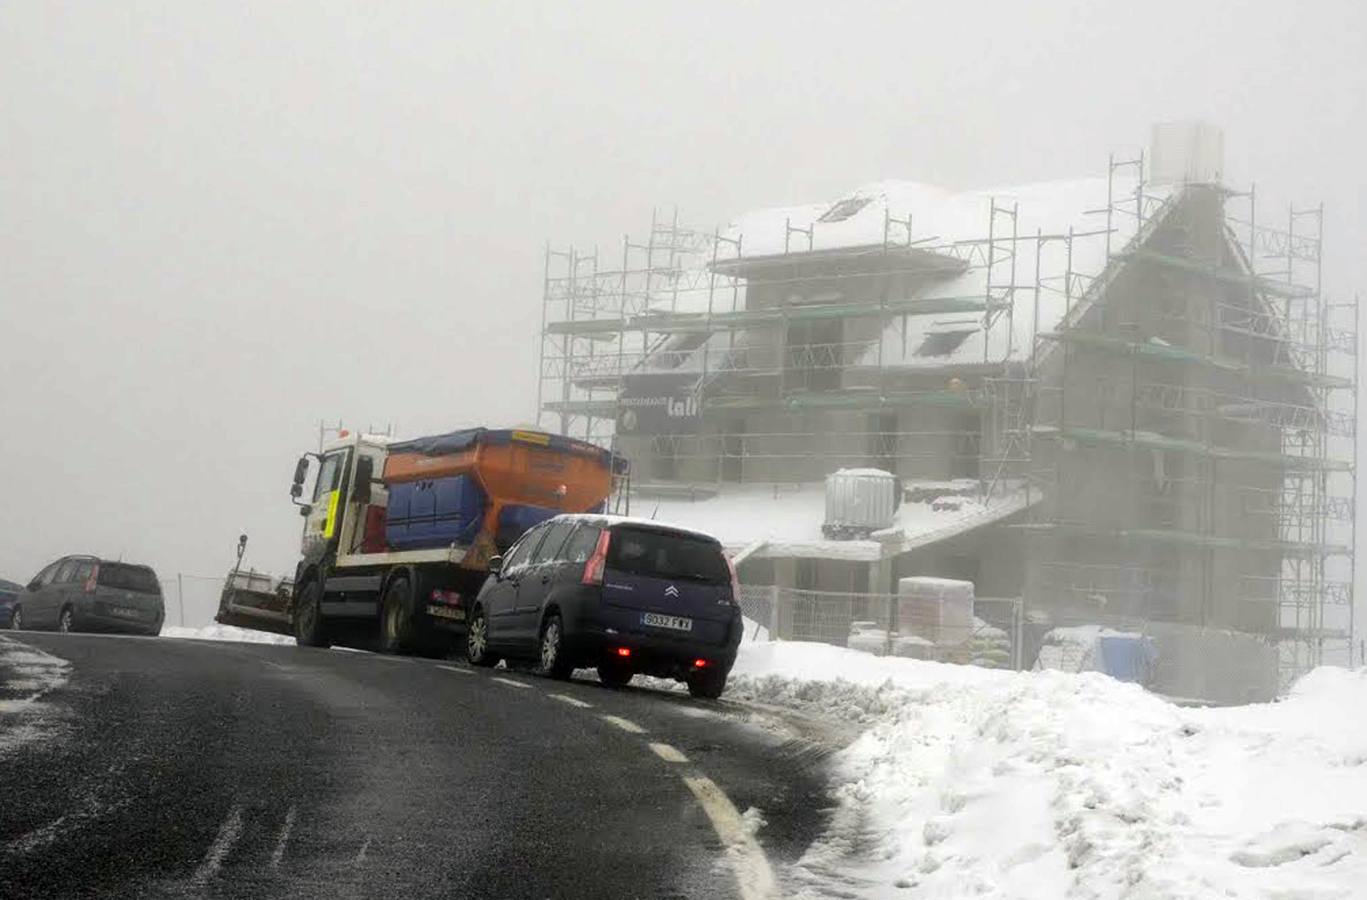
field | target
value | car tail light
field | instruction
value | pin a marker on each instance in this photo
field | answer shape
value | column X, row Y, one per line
column 735, row 581
column 593, row 569
column 90, row 582
column 623, row 651
column 699, row 663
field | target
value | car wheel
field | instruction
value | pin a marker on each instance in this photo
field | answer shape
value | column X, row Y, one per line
column 554, row 661
column 64, row 621
column 395, row 627
column 614, row 675
column 308, row 617
column 477, row 640
column 16, row 619
column 707, row 685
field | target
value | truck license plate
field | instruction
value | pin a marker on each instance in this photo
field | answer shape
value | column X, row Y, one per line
column 678, row 623
column 446, row 612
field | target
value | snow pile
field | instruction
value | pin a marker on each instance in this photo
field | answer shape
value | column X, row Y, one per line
column 27, row 676
column 225, row 633
column 970, row 781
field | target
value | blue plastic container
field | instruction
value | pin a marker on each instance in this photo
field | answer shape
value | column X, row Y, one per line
column 433, row 513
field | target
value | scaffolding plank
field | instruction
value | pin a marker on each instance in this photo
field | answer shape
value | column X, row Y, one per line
column 1174, row 353
column 1155, row 441
column 601, row 329
column 1225, row 276
column 726, row 320
column 598, row 409
column 1173, row 536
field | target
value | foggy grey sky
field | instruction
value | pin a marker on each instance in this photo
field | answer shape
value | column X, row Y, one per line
column 221, row 222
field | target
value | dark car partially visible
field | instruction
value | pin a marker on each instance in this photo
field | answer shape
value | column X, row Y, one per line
column 84, row 593
column 9, row 593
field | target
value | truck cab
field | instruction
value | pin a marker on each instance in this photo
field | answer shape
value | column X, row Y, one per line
column 397, row 535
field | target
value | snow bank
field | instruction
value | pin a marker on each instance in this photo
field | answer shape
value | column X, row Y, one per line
column 225, row 633
column 1045, row 784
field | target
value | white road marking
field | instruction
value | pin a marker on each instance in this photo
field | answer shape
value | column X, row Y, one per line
column 668, row 754
column 572, row 701
column 360, row 854
column 754, row 878
column 626, row 725
column 228, row 833
column 279, row 853
column 509, row 682
column 458, row 671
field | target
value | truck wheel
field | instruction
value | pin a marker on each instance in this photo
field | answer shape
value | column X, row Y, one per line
column 614, row 675
column 477, row 640
column 554, row 662
column 707, row 686
column 396, row 626
column 308, row 617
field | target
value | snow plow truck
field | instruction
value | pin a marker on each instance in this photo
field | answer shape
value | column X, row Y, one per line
column 398, row 534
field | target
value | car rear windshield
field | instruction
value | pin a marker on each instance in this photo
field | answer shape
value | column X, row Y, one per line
column 128, row 578
column 665, row 554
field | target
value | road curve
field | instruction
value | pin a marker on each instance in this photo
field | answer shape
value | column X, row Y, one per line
column 162, row 767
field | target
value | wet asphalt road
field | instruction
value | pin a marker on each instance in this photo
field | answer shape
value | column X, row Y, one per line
column 155, row 767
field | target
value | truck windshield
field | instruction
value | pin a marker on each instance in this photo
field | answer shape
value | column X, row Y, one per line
column 667, row 554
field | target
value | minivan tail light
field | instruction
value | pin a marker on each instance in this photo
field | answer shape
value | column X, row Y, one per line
column 735, row 581
column 593, row 569
column 91, row 581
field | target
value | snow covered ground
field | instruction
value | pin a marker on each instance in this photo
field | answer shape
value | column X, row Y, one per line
column 27, row 676
column 973, row 782
column 225, row 633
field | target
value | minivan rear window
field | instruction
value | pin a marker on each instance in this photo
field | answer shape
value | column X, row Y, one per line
column 124, row 577
column 664, row 554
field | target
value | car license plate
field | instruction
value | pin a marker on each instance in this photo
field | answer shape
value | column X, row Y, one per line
column 678, row 623
column 124, row 613
column 446, row 612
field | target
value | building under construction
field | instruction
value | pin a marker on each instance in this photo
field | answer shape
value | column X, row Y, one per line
column 1119, row 401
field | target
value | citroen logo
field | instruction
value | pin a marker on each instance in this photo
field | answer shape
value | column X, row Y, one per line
column 671, row 591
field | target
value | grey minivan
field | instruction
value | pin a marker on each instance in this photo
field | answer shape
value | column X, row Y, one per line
column 83, row 593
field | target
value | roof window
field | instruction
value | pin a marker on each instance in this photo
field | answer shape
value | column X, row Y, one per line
column 943, row 343
column 843, row 209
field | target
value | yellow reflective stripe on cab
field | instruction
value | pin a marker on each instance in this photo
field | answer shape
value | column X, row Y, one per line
column 330, row 524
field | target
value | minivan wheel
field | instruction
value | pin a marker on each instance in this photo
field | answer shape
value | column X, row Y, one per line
column 707, row 685
column 554, row 661
column 477, row 640
column 16, row 619
column 614, row 675
column 308, row 617
column 64, row 621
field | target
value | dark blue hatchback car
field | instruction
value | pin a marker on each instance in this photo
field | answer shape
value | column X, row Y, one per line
column 625, row 596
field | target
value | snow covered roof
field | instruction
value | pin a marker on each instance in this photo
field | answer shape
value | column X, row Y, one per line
column 955, row 225
column 787, row 519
